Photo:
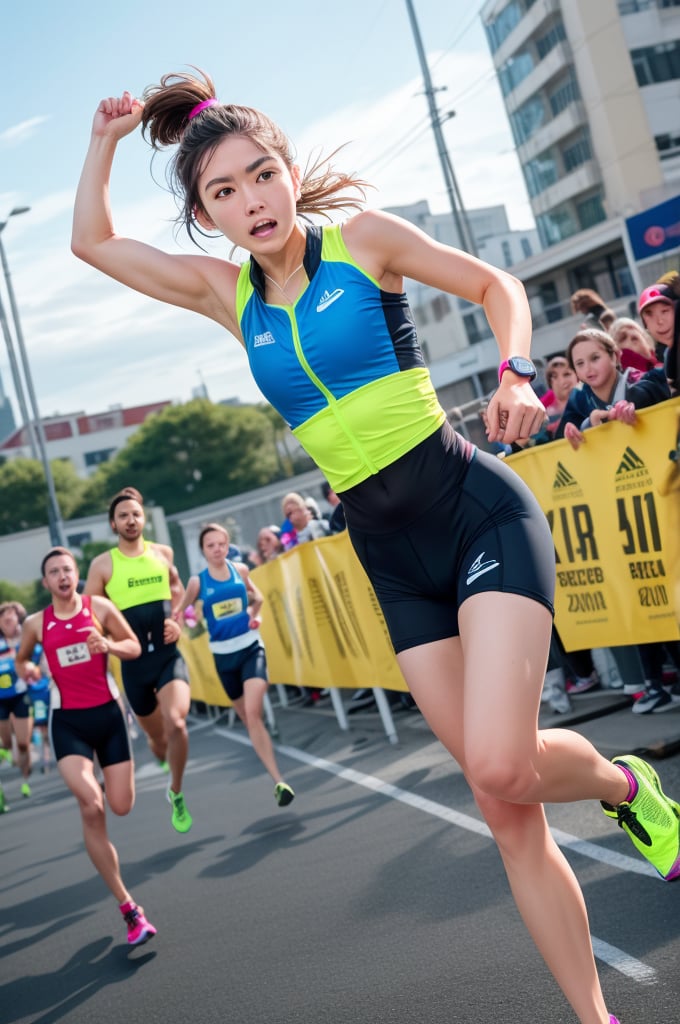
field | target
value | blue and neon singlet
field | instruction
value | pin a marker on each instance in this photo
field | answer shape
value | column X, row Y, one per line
column 225, row 610
column 12, row 685
column 342, row 364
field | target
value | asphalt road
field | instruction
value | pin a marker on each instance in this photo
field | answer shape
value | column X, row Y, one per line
column 377, row 896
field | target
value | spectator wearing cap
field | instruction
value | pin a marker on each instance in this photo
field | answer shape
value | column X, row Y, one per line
column 657, row 311
column 658, row 308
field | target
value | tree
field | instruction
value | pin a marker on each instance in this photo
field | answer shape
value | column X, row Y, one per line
column 24, row 493
column 189, row 455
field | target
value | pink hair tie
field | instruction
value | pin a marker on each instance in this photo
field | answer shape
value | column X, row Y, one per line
column 202, row 106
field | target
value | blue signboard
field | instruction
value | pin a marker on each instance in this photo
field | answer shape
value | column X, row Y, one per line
column 656, row 230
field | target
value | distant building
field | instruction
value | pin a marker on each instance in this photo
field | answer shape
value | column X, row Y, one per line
column 7, row 421
column 592, row 93
column 85, row 441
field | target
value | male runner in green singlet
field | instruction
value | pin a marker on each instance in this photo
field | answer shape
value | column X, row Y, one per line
column 142, row 581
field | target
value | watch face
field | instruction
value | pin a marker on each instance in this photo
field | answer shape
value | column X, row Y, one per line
column 522, row 367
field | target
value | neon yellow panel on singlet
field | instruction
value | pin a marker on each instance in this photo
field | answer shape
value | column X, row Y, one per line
column 138, row 580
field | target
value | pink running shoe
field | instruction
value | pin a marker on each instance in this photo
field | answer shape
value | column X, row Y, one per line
column 613, row 1019
column 139, row 929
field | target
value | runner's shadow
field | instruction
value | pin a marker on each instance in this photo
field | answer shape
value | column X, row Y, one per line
column 53, row 909
column 56, row 994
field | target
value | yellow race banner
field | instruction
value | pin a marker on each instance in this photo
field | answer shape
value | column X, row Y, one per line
column 321, row 623
column 613, row 508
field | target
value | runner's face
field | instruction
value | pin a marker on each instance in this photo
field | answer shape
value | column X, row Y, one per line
column 593, row 364
column 215, row 547
column 249, row 195
column 61, row 576
column 9, row 622
column 128, row 519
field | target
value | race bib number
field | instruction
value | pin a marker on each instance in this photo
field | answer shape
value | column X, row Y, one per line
column 74, row 654
column 222, row 609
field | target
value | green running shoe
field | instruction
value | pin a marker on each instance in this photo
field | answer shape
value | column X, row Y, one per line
column 25, row 789
column 283, row 794
column 164, row 766
column 181, row 819
column 4, row 806
column 5, row 755
column 651, row 820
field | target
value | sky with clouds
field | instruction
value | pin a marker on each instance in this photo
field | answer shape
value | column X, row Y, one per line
column 329, row 74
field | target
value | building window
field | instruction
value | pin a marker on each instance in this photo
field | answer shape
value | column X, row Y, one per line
column 577, row 152
column 655, row 64
column 507, row 254
column 500, row 28
column 528, row 119
column 477, row 327
column 566, row 93
column 515, row 70
column 526, row 247
column 550, row 40
column 668, row 145
column 440, row 307
column 636, row 6
column 557, row 224
column 590, row 211
column 541, row 173
column 96, row 458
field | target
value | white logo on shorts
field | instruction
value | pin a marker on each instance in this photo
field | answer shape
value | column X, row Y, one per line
column 479, row 567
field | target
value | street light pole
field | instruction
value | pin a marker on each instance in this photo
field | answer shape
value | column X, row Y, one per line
column 16, row 377
column 53, row 512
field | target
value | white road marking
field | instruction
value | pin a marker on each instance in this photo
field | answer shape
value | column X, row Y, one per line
column 611, row 955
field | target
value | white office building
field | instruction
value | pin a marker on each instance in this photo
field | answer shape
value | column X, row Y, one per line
column 592, row 93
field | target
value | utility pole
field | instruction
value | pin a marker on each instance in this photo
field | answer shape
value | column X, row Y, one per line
column 56, row 527
column 464, row 232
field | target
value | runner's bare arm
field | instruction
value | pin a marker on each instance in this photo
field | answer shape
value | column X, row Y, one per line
column 198, row 282
column 119, row 639
column 31, row 633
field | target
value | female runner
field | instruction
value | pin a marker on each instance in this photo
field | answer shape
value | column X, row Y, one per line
column 231, row 610
column 331, row 342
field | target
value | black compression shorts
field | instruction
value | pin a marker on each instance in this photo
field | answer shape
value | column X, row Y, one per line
column 19, row 705
column 146, row 675
column 89, row 731
column 233, row 669
column 435, row 527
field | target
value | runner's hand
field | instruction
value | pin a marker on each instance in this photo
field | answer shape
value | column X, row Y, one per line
column 116, row 116
column 96, row 643
column 514, row 412
column 172, row 631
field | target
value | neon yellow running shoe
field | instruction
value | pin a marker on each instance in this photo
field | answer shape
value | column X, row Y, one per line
column 25, row 789
column 5, row 755
column 651, row 820
column 283, row 794
column 181, row 819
